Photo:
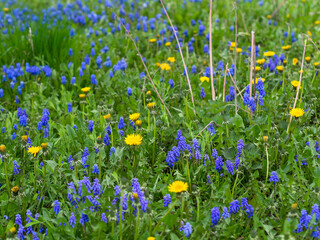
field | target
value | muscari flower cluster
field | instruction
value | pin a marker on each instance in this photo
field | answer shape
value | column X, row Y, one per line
column 251, row 101
column 274, row 177
column 231, row 167
column 194, row 150
column 88, row 193
column 136, row 189
column 186, row 228
column 234, row 208
column 305, row 221
column 22, row 231
column 84, row 157
column 43, row 125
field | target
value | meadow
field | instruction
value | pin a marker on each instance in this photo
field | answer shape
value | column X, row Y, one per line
column 131, row 119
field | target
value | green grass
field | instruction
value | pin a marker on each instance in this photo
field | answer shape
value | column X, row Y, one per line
column 40, row 185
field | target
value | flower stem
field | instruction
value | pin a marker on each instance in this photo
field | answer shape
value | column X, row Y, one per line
column 148, row 120
column 189, row 174
column 182, row 205
column 198, row 208
column 134, row 161
column 314, row 76
column 283, row 80
column 227, row 130
column 120, row 221
column 154, row 141
column 7, row 178
column 35, row 175
column 100, row 164
column 267, row 164
column 111, row 135
column 32, row 106
column 83, row 111
column 137, row 226
column 76, row 166
column 235, row 183
column 167, row 213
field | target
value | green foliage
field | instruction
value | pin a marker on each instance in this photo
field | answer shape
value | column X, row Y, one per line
column 46, row 177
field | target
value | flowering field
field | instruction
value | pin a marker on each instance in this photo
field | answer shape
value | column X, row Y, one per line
column 112, row 125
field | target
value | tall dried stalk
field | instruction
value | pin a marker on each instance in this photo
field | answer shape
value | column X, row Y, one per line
column 278, row 8
column 235, row 86
column 210, row 48
column 184, row 64
column 235, row 56
column 297, row 94
column 224, row 83
column 251, row 64
column 154, row 87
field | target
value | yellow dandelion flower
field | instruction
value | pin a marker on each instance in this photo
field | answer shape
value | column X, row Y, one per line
column 286, row 48
column 204, row 62
column 158, row 64
column 300, row 71
column 295, row 83
column 297, row 112
column 307, row 59
column 138, row 123
column 148, row 93
column 107, row 116
column 285, row 62
column 135, row 195
column 294, row 206
column 261, row 61
column 152, row 40
column 269, row 54
column 168, row 44
column 257, row 68
column 24, row 137
column 13, row 230
column 34, row 150
column 44, row 145
column 268, row 16
column 86, row 89
column 2, row 148
column 257, row 79
column 178, row 186
column 6, row 9
column 316, row 64
column 82, row 96
column 317, row 22
column 151, row 238
column 99, row 138
column 15, row 189
column 204, row 78
column 280, row 68
column 133, row 139
column 151, row 105
column 309, row 33
column 165, row 66
column 231, row 48
column 239, row 50
column 171, row 59
column 232, row 44
column 265, row 138
column 295, row 61
column 134, row 116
